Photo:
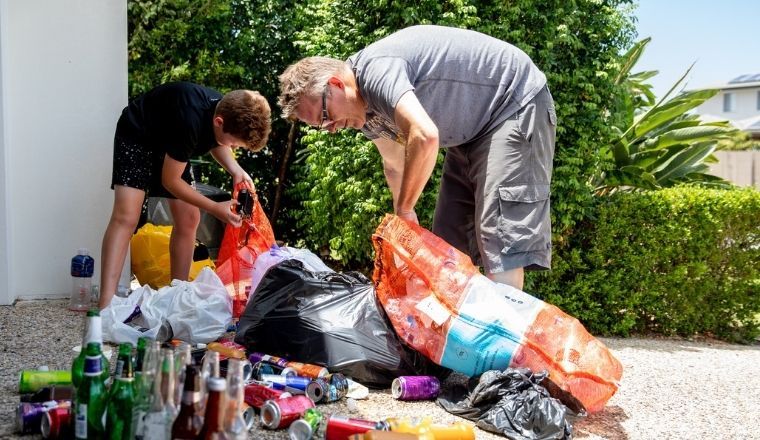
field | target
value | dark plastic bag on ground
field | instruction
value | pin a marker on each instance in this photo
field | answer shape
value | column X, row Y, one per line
column 331, row 319
column 514, row 403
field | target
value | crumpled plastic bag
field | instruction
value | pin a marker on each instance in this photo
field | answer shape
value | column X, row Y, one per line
column 149, row 252
column 277, row 255
column 331, row 319
column 512, row 403
column 191, row 311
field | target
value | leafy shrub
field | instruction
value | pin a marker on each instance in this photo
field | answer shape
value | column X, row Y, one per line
column 675, row 261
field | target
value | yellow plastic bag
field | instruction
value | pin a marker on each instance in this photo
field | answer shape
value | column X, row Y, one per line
column 150, row 256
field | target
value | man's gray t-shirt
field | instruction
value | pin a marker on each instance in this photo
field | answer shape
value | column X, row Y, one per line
column 466, row 81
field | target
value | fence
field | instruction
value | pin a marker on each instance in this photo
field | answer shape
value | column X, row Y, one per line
column 741, row 168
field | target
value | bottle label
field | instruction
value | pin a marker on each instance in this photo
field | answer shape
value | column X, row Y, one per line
column 80, row 423
column 82, row 266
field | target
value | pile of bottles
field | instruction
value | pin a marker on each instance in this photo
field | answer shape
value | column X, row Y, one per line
column 176, row 391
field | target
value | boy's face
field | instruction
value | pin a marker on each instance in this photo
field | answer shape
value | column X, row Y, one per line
column 227, row 140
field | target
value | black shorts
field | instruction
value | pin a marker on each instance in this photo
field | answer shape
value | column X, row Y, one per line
column 136, row 165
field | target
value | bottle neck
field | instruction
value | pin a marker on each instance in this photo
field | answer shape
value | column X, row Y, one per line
column 94, row 332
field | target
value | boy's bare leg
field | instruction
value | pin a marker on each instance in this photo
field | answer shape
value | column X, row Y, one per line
column 182, row 241
column 512, row 277
column 127, row 205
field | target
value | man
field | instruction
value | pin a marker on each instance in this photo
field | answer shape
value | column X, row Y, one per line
column 157, row 134
column 483, row 100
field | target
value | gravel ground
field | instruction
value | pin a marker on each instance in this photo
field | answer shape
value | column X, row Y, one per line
column 671, row 389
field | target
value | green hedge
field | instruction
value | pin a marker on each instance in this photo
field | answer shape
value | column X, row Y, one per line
column 675, row 261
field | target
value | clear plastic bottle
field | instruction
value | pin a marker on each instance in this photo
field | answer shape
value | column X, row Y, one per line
column 82, row 268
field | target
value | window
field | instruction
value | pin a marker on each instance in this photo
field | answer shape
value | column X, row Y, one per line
column 728, row 102
column 758, row 100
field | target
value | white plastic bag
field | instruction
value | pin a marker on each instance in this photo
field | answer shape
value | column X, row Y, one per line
column 278, row 254
column 197, row 311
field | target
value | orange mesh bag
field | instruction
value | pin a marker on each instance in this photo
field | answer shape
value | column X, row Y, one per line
column 239, row 249
column 440, row 305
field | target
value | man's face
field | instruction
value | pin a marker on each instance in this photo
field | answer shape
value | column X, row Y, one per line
column 335, row 109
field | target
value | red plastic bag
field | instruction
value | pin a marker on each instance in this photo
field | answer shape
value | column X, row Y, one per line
column 440, row 305
column 239, row 249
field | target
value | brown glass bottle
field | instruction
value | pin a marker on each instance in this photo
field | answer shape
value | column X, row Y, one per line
column 189, row 422
column 213, row 424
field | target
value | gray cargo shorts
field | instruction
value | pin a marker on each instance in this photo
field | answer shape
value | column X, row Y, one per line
column 493, row 202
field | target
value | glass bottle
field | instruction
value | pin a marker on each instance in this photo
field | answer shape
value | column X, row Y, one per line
column 234, row 423
column 93, row 333
column 90, row 400
column 188, row 423
column 213, row 426
column 159, row 419
column 209, row 369
column 121, row 399
column 146, row 380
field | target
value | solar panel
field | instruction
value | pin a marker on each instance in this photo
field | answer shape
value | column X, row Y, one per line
column 751, row 77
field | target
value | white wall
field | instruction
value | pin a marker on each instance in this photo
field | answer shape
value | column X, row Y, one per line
column 63, row 67
column 745, row 104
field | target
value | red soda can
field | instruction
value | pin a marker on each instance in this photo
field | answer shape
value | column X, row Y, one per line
column 341, row 428
column 280, row 413
column 255, row 394
column 57, row 423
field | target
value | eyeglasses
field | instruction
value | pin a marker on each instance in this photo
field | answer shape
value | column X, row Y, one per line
column 325, row 116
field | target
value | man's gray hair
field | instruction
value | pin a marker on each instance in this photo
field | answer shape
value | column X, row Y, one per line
column 306, row 78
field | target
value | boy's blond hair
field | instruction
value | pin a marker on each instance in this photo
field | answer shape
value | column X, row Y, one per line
column 246, row 116
column 307, row 77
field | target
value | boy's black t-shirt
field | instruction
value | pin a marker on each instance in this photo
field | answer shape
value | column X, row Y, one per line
column 173, row 118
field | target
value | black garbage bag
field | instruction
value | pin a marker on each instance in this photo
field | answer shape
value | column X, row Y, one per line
column 513, row 403
column 331, row 319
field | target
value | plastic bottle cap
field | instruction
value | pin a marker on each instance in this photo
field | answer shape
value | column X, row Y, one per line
column 200, row 345
column 83, row 251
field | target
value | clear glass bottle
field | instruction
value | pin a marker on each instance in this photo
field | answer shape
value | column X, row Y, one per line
column 234, row 422
column 146, row 381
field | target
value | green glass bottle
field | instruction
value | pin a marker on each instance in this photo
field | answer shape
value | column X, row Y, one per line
column 91, row 397
column 121, row 398
column 142, row 346
column 93, row 333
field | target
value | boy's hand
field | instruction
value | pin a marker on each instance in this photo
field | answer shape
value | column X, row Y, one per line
column 225, row 212
column 243, row 177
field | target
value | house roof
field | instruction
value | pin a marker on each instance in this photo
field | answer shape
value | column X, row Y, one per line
column 746, row 81
column 751, row 124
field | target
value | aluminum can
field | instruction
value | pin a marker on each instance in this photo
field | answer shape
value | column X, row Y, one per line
column 340, row 428
column 247, row 368
column 29, row 416
column 58, row 392
column 249, row 416
column 280, row 413
column 255, row 394
column 308, row 370
column 330, row 388
column 260, row 368
column 57, row 423
column 261, row 357
column 30, row 381
column 415, row 387
column 305, row 427
column 291, row 384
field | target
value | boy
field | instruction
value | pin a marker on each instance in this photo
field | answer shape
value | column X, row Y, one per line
column 157, row 133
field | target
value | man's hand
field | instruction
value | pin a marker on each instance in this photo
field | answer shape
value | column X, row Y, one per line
column 408, row 215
